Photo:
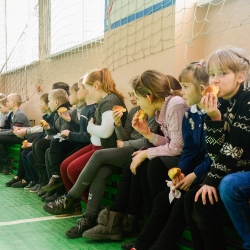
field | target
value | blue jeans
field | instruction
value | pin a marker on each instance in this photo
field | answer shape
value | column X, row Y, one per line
column 235, row 194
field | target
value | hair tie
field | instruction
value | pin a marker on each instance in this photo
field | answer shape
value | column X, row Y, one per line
column 200, row 63
column 246, row 60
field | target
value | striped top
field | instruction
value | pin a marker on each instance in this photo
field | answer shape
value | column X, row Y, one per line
column 169, row 119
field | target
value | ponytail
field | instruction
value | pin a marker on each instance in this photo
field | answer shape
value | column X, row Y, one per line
column 105, row 78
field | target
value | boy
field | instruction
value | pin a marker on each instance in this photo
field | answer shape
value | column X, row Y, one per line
column 57, row 98
column 74, row 140
column 7, row 137
column 2, row 115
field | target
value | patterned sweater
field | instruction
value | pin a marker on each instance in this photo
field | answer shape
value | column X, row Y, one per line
column 170, row 121
column 228, row 140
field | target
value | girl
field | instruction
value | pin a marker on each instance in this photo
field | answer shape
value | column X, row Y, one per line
column 102, row 89
column 166, row 223
column 227, row 141
column 155, row 96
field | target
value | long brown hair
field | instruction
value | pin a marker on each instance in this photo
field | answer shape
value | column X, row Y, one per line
column 155, row 84
column 105, row 78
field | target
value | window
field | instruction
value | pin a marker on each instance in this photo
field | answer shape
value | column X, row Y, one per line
column 18, row 33
column 75, row 22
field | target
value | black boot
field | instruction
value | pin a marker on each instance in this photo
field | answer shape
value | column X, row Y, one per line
column 130, row 226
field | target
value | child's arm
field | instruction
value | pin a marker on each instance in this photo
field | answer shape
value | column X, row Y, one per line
column 106, row 129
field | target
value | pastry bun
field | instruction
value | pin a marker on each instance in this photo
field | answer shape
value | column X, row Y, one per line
column 43, row 123
column 174, row 173
column 141, row 115
column 62, row 109
column 119, row 108
column 24, row 143
column 211, row 89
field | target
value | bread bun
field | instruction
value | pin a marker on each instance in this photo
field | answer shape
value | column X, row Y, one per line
column 211, row 89
column 24, row 143
column 43, row 123
column 141, row 115
column 62, row 109
column 119, row 108
column 174, row 173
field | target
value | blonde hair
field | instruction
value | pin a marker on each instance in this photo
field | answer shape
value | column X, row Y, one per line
column 154, row 83
column 15, row 98
column 105, row 78
column 60, row 95
column 3, row 101
column 230, row 58
column 196, row 73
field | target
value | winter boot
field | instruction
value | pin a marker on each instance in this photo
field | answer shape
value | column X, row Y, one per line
column 130, row 226
column 109, row 227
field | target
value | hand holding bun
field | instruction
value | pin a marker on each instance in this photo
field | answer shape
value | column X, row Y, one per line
column 118, row 108
column 62, row 110
column 174, row 173
column 43, row 123
column 211, row 89
column 24, row 143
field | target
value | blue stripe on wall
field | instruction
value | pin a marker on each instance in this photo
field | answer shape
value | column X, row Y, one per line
column 146, row 12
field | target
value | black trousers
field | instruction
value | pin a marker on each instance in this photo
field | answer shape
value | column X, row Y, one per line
column 128, row 198
column 6, row 140
column 204, row 222
column 165, row 224
column 59, row 151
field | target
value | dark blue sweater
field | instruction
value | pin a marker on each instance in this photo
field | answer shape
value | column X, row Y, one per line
column 194, row 157
column 82, row 135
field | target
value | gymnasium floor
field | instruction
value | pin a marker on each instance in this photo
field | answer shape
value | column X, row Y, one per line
column 24, row 225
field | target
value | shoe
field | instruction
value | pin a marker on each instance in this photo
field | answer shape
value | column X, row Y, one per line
column 20, row 184
column 12, row 181
column 30, row 185
column 63, row 206
column 46, row 195
column 41, row 192
column 53, row 184
column 127, row 245
column 51, row 198
column 35, row 188
column 83, row 224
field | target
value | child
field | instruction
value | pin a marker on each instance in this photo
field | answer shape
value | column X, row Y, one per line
column 57, row 98
column 159, row 231
column 74, row 141
column 102, row 89
column 7, row 137
column 227, row 140
column 2, row 115
column 27, row 177
column 155, row 96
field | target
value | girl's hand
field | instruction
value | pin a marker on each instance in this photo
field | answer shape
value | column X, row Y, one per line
column 186, row 182
column 21, row 132
column 27, row 145
column 91, row 121
column 117, row 118
column 64, row 133
column 141, row 126
column 139, row 157
column 209, row 104
column 120, row 143
column 208, row 191
column 65, row 115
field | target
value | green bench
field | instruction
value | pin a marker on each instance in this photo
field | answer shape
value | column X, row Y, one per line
column 14, row 156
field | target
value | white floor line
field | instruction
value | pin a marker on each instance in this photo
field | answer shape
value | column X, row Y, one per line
column 9, row 223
